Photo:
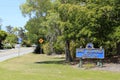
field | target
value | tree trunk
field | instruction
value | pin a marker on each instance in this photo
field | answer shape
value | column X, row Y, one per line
column 118, row 48
column 51, row 48
column 67, row 51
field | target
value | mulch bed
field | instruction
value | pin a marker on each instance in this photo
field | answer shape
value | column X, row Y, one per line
column 109, row 64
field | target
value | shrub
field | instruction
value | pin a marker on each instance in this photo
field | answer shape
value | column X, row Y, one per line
column 46, row 48
column 26, row 43
column 59, row 48
column 73, row 49
column 8, row 46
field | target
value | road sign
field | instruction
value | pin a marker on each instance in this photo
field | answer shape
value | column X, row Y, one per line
column 41, row 40
column 19, row 40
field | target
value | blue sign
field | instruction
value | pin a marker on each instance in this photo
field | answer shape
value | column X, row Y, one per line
column 19, row 40
column 90, row 53
column 89, row 45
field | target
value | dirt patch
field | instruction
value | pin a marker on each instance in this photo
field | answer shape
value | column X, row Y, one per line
column 106, row 67
column 109, row 64
column 109, row 67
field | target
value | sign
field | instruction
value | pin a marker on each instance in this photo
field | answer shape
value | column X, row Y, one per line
column 19, row 40
column 41, row 40
column 90, row 46
column 90, row 52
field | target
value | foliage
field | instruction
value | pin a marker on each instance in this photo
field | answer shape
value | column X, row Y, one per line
column 35, row 30
column 26, row 43
column 116, row 34
column 35, row 7
column 10, row 41
column 21, row 32
column 9, row 29
column 46, row 48
column 3, row 35
column 14, row 33
column 59, row 46
column 8, row 46
column 73, row 46
column 80, row 21
column 11, row 38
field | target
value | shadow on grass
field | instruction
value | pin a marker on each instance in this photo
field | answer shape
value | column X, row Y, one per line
column 51, row 62
column 59, row 58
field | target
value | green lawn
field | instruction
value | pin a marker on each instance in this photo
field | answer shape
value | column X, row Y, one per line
column 42, row 67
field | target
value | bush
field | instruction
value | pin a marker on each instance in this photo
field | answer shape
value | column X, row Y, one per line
column 26, row 43
column 73, row 46
column 38, row 49
column 8, row 46
column 46, row 48
column 1, row 46
column 59, row 48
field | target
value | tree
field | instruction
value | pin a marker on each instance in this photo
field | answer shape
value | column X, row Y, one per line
column 34, row 29
column 11, row 39
column 105, row 21
column 15, row 30
column 93, row 21
column 52, row 30
column 9, row 29
column 3, row 35
column 35, row 8
column 21, row 32
column 74, row 21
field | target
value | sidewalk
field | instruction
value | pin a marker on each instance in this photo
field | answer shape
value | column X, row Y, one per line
column 11, row 53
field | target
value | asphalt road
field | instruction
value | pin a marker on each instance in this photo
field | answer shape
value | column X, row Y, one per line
column 11, row 53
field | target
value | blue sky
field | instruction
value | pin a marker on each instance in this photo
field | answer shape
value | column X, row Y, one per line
column 10, row 13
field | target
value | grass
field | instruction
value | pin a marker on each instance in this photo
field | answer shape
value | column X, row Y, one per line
column 42, row 67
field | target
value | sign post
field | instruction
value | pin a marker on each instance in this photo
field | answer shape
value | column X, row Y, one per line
column 80, row 63
column 19, row 45
column 90, row 52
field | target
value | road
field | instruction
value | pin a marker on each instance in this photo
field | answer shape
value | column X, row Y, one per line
column 11, row 53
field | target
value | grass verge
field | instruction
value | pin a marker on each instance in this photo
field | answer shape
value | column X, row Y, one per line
column 42, row 67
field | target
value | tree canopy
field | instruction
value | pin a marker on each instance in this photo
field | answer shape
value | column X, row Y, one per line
column 3, row 35
column 74, row 23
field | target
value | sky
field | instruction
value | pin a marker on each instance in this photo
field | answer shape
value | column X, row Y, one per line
column 10, row 13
